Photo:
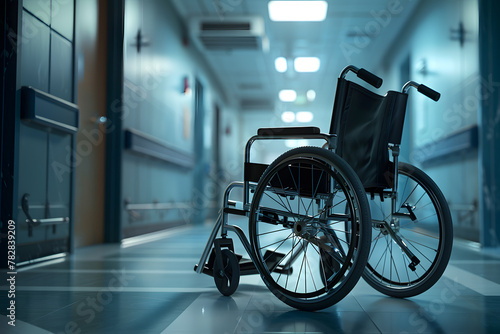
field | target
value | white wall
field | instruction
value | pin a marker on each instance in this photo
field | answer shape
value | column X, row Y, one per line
column 438, row 60
column 156, row 105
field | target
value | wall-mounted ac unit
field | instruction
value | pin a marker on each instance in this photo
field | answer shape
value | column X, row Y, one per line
column 229, row 33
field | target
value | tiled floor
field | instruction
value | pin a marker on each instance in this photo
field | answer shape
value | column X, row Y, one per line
column 152, row 288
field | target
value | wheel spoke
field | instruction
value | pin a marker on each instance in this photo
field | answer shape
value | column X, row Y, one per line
column 383, row 255
column 277, row 242
column 379, row 236
column 418, row 250
column 279, row 197
column 421, row 244
column 276, row 231
column 281, row 203
column 416, row 186
column 416, row 203
column 402, row 193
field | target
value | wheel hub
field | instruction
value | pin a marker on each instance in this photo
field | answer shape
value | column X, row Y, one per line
column 300, row 229
column 305, row 228
column 395, row 224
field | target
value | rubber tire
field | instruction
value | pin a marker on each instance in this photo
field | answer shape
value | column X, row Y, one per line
column 227, row 283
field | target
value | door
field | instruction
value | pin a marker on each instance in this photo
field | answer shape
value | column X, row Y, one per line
column 49, row 121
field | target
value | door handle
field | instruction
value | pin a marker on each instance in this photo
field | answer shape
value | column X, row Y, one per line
column 37, row 222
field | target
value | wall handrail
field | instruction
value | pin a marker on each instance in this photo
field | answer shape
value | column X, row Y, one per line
column 159, row 206
column 147, row 145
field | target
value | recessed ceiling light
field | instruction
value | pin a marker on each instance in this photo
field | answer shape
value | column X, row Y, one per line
column 304, row 116
column 297, row 10
column 281, row 64
column 310, row 95
column 306, row 64
column 287, row 95
column 288, row 116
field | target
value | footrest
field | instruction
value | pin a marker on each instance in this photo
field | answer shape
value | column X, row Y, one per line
column 235, row 211
column 247, row 267
column 272, row 259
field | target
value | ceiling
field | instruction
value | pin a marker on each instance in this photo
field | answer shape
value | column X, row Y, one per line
column 357, row 32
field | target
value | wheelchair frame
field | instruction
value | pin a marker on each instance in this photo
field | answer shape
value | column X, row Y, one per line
column 222, row 220
column 211, row 257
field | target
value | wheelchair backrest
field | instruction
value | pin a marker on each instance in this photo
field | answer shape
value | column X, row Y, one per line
column 365, row 123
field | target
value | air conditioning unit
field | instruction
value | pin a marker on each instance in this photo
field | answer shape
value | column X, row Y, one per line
column 256, row 104
column 230, row 33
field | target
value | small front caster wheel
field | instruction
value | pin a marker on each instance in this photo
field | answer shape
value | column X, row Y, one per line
column 227, row 278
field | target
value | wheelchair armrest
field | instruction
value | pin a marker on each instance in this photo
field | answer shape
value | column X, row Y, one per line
column 288, row 131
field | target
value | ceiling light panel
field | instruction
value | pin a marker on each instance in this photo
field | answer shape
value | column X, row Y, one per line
column 306, row 64
column 297, row 10
column 280, row 64
column 304, row 116
column 288, row 116
column 287, row 95
column 310, row 95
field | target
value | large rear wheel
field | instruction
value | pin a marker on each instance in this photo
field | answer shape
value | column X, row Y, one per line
column 299, row 211
column 411, row 248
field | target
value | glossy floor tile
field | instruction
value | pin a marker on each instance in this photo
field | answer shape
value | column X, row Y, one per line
column 150, row 287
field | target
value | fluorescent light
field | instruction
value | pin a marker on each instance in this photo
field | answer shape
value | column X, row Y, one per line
column 304, row 116
column 281, row 64
column 310, row 95
column 287, row 95
column 306, row 64
column 297, row 10
column 288, row 116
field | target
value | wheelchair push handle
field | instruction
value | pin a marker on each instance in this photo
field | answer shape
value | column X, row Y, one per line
column 369, row 77
column 429, row 92
column 364, row 75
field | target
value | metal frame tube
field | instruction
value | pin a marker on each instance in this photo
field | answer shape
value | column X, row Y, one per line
column 208, row 247
column 221, row 223
column 408, row 85
column 222, row 219
column 394, row 197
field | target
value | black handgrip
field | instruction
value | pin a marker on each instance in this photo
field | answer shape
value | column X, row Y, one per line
column 430, row 93
column 369, row 77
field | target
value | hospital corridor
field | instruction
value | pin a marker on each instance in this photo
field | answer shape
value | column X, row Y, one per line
column 250, row 166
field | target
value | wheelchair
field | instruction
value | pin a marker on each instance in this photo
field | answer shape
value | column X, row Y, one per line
column 320, row 218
